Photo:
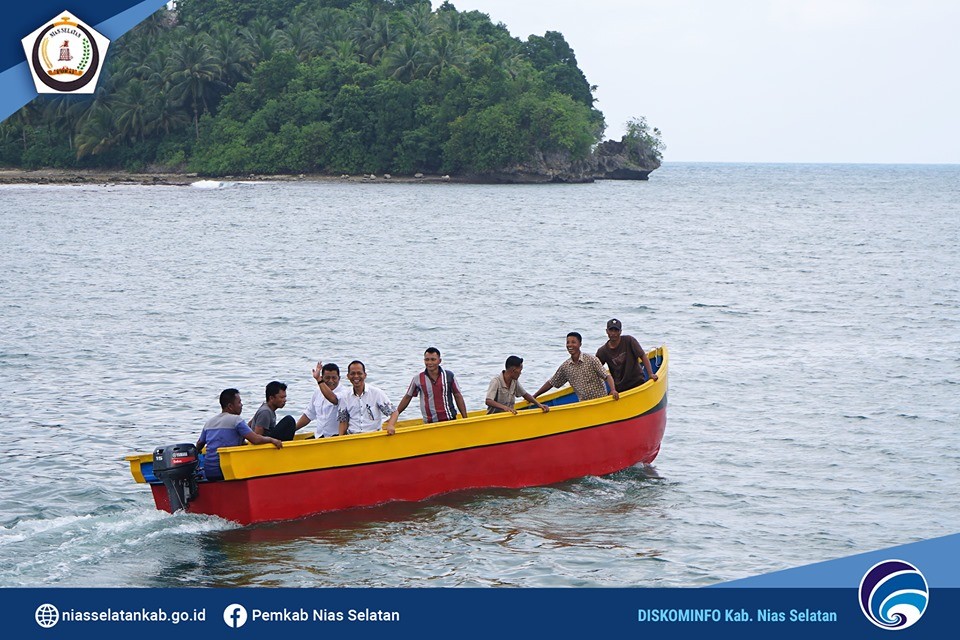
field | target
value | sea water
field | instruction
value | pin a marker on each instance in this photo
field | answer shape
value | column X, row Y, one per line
column 812, row 313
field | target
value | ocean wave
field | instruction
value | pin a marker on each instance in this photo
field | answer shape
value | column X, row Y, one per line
column 208, row 184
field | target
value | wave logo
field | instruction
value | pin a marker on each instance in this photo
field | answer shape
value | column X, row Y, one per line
column 893, row 594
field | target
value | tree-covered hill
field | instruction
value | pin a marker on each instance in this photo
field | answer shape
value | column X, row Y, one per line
column 293, row 86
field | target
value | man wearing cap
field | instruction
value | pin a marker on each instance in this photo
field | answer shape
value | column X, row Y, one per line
column 623, row 354
column 584, row 373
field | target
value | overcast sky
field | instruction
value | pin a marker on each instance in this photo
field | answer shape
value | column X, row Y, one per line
column 766, row 80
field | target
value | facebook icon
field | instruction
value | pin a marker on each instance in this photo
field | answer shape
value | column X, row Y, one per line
column 235, row 615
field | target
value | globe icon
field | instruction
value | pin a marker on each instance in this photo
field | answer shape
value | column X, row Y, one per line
column 47, row 615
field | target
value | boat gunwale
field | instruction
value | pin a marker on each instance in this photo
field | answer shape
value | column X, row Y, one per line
column 417, row 427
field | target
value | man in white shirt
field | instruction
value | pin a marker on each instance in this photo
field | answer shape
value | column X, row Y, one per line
column 366, row 406
column 320, row 408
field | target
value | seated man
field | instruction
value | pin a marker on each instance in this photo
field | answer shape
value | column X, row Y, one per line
column 583, row 371
column 505, row 388
column 264, row 421
column 437, row 389
column 366, row 406
column 321, row 409
column 227, row 430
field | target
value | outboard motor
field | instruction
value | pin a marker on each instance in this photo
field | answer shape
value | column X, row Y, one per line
column 176, row 466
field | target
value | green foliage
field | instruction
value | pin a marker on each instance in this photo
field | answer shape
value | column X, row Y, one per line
column 173, row 151
column 200, row 15
column 11, row 145
column 45, row 148
column 555, row 58
column 514, row 131
column 135, row 157
column 642, row 140
column 358, row 86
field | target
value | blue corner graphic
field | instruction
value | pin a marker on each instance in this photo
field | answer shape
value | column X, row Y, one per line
column 938, row 559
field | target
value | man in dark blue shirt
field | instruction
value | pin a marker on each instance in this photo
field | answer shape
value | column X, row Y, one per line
column 227, row 429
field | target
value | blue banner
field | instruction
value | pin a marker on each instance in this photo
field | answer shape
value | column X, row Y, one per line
column 472, row 613
column 897, row 589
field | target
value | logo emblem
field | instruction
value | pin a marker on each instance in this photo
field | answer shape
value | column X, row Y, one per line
column 235, row 615
column 65, row 55
column 893, row 594
column 47, row 616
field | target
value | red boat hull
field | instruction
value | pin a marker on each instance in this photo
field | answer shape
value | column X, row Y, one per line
column 595, row 450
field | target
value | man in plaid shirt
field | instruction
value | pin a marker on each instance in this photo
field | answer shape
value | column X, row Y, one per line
column 583, row 371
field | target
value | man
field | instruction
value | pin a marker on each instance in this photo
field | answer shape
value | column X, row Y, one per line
column 320, row 408
column 583, row 371
column 437, row 389
column 505, row 388
column 623, row 355
column 366, row 406
column 264, row 421
column 227, row 430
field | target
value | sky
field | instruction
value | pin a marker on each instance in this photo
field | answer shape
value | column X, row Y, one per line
column 872, row 81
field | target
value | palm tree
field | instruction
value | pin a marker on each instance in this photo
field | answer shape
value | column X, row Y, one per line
column 301, row 39
column 66, row 110
column 157, row 23
column 446, row 52
column 170, row 116
column 152, row 69
column 330, row 26
column 419, row 20
column 342, row 51
column 7, row 130
column 364, row 17
column 451, row 21
column 232, row 54
column 27, row 117
column 135, row 109
column 195, row 77
column 403, row 61
column 261, row 37
column 135, row 50
column 374, row 39
column 97, row 133
column 507, row 57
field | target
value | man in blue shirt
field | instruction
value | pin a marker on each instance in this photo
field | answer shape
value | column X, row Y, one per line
column 227, row 429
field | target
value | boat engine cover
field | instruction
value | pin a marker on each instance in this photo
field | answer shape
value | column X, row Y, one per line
column 175, row 461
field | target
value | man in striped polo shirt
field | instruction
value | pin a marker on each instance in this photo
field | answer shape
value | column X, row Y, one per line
column 437, row 389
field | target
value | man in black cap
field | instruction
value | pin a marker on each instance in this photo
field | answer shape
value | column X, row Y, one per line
column 623, row 355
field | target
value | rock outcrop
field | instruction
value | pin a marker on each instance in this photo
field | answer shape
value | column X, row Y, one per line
column 623, row 160
column 611, row 160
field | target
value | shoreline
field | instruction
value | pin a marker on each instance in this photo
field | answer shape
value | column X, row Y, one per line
column 104, row 177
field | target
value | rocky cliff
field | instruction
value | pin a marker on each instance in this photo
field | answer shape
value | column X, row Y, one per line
column 611, row 160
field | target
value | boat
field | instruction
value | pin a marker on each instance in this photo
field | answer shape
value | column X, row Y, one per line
column 310, row 476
